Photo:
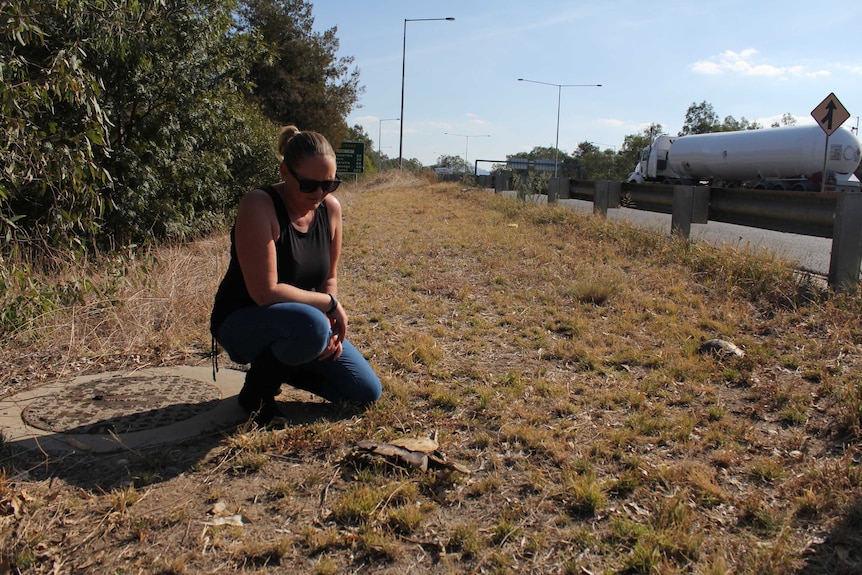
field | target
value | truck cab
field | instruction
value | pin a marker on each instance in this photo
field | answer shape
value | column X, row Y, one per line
column 653, row 166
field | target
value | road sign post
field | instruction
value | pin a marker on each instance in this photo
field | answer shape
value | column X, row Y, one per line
column 829, row 115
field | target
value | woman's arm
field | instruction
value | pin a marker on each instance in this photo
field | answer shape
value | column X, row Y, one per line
column 331, row 283
column 338, row 317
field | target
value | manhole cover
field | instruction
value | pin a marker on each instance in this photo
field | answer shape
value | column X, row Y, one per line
column 121, row 404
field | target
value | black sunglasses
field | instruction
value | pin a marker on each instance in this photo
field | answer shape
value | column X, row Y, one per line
column 310, row 186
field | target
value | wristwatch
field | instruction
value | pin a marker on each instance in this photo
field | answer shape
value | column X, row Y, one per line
column 333, row 304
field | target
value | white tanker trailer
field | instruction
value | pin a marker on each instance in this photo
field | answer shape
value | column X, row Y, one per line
column 790, row 158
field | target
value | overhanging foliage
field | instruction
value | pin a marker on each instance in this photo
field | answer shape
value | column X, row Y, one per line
column 128, row 121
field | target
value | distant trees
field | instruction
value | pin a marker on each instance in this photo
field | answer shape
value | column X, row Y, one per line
column 598, row 164
column 702, row 119
column 567, row 164
column 544, row 153
column 786, row 120
column 454, row 163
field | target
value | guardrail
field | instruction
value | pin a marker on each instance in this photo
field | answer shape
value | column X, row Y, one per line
column 831, row 214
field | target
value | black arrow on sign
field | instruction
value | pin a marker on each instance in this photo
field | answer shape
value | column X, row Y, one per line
column 827, row 119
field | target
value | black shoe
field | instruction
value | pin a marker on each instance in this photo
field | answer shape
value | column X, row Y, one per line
column 262, row 409
column 266, row 374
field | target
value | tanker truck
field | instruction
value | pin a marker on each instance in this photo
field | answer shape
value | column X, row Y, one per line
column 788, row 158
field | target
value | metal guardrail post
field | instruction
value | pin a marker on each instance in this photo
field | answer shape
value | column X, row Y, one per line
column 614, row 194
column 846, row 255
column 606, row 195
column 680, row 221
column 558, row 189
column 690, row 206
column 600, row 199
column 501, row 182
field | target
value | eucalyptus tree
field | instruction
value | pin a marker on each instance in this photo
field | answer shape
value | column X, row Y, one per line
column 184, row 144
column 123, row 121
column 300, row 80
column 54, row 130
column 700, row 119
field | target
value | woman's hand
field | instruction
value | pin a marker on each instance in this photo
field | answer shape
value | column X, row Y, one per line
column 338, row 322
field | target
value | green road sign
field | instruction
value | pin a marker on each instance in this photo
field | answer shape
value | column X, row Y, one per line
column 350, row 158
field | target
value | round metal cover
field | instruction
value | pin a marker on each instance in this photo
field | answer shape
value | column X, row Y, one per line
column 121, row 404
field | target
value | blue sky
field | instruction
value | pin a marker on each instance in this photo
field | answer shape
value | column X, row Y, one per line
column 747, row 58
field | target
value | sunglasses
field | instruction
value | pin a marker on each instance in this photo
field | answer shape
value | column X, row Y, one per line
column 311, row 186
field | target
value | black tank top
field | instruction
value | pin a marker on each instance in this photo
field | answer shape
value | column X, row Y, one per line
column 303, row 260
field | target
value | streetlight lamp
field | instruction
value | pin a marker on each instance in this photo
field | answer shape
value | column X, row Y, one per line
column 380, row 137
column 559, row 91
column 403, row 68
column 467, row 145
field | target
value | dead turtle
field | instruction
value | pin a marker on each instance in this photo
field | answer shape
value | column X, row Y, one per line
column 721, row 347
column 420, row 452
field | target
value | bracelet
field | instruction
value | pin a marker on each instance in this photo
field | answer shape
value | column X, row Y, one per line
column 334, row 304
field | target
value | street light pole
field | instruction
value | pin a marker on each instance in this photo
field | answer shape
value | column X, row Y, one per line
column 559, row 94
column 467, row 144
column 403, row 69
column 380, row 138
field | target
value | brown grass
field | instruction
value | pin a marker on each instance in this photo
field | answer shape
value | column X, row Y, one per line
column 552, row 353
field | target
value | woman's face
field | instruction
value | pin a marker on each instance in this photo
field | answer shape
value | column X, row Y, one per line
column 309, row 182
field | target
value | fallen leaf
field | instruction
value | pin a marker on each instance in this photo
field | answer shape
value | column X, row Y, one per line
column 229, row 520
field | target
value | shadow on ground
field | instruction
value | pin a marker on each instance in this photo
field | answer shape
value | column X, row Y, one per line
column 99, row 472
column 840, row 551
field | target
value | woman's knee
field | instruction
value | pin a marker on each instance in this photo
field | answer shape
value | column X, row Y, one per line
column 305, row 335
column 369, row 391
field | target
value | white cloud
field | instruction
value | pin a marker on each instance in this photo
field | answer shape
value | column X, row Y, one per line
column 612, row 122
column 365, row 119
column 853, row 69
column 743, row 63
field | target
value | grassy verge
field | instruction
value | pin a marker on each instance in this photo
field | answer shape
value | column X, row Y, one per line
column 554, row 354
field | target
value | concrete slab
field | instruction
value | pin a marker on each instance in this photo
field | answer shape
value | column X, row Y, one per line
column 122, row 410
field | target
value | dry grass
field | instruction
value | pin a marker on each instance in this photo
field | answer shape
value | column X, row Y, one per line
column 553, row 353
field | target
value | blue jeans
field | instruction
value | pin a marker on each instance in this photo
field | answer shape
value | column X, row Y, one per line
column 296, row 334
